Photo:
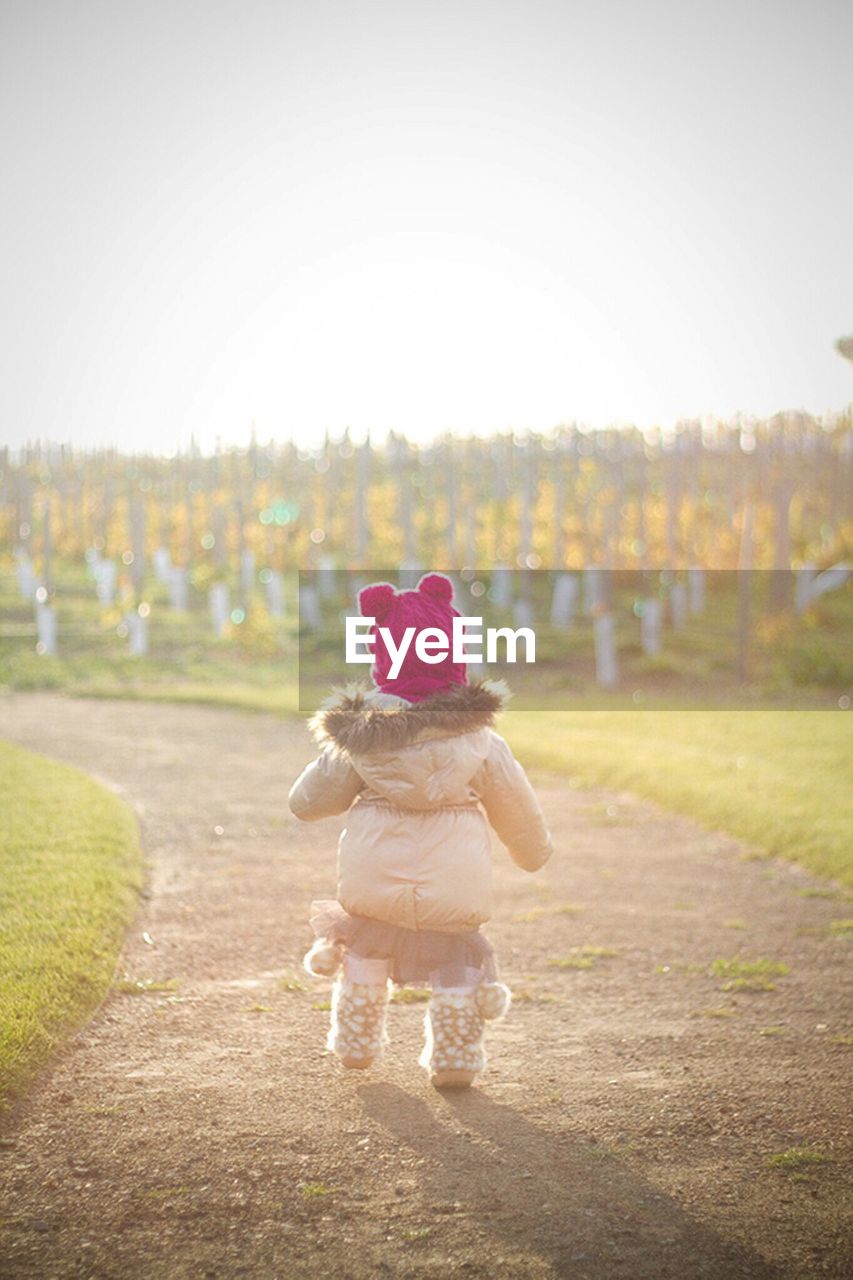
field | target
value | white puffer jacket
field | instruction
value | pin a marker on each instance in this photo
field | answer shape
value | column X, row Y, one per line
column 419, row 781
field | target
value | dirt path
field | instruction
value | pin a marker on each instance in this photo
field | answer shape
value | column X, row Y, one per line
column 621, row 1129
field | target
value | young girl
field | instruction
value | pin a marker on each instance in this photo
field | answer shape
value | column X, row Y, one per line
column 415, row 762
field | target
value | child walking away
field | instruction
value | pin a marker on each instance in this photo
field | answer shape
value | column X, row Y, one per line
column 418, row 766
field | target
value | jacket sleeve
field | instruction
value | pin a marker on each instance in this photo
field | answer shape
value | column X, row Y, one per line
column 325, row 787
column 512, row 808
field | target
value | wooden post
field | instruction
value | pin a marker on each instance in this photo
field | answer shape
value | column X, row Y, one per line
column 47, row 550
column 165, row 522
column 673, row 503
column 525, row 533
column 744, row 592
column 450, row 489
column 362, row 485
column 399, row 458
column 642, row 541
column 24, row 510
column 780, row 589
column 219, row 529
column 471, row 512
column 137, row 522
column 559, row 513
column 240, row 521
column 190, row 536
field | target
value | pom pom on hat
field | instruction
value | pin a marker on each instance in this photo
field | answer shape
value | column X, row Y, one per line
column 436, row 585
column 376, row 600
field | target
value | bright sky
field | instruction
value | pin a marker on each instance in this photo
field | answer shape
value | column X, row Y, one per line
column 419, row 214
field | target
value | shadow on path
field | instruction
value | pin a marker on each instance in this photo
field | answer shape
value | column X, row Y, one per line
column 555, row 1197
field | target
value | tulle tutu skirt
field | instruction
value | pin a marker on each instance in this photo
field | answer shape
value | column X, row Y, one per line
column 414, row 956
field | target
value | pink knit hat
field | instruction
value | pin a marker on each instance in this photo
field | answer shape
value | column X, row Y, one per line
column 427, row 606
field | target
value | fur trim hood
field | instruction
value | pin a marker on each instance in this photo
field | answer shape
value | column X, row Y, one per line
column 357, row 720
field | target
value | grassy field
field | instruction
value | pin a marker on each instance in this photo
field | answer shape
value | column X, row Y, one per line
column 780, row 780
column 70, row 869
column 793, row 660
column 777, row 778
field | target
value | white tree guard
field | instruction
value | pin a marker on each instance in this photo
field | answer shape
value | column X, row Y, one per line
column 606, row 661
column 678, row 605
column 162, row 564
column 696, row 591
column 137, row 634
column 651, row 626
column 275, row 594
column 219, row 603
column 564, row 600
column 178, row 585
column 46, row 627
column 106, row 576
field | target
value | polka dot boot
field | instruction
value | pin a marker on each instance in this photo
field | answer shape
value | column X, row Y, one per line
column 357, row 1033
column 453, row 1053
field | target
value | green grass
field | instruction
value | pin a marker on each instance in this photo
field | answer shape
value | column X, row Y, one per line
column 775, row 779
column 410, row 995
column 583, row 957
column 146, row 986
column 162, row 1193
column 524, row 995
column 747, row 975
column 70, row 868
column 796, row 1159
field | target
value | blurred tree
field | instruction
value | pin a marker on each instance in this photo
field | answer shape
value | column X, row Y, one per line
column 844, row 347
